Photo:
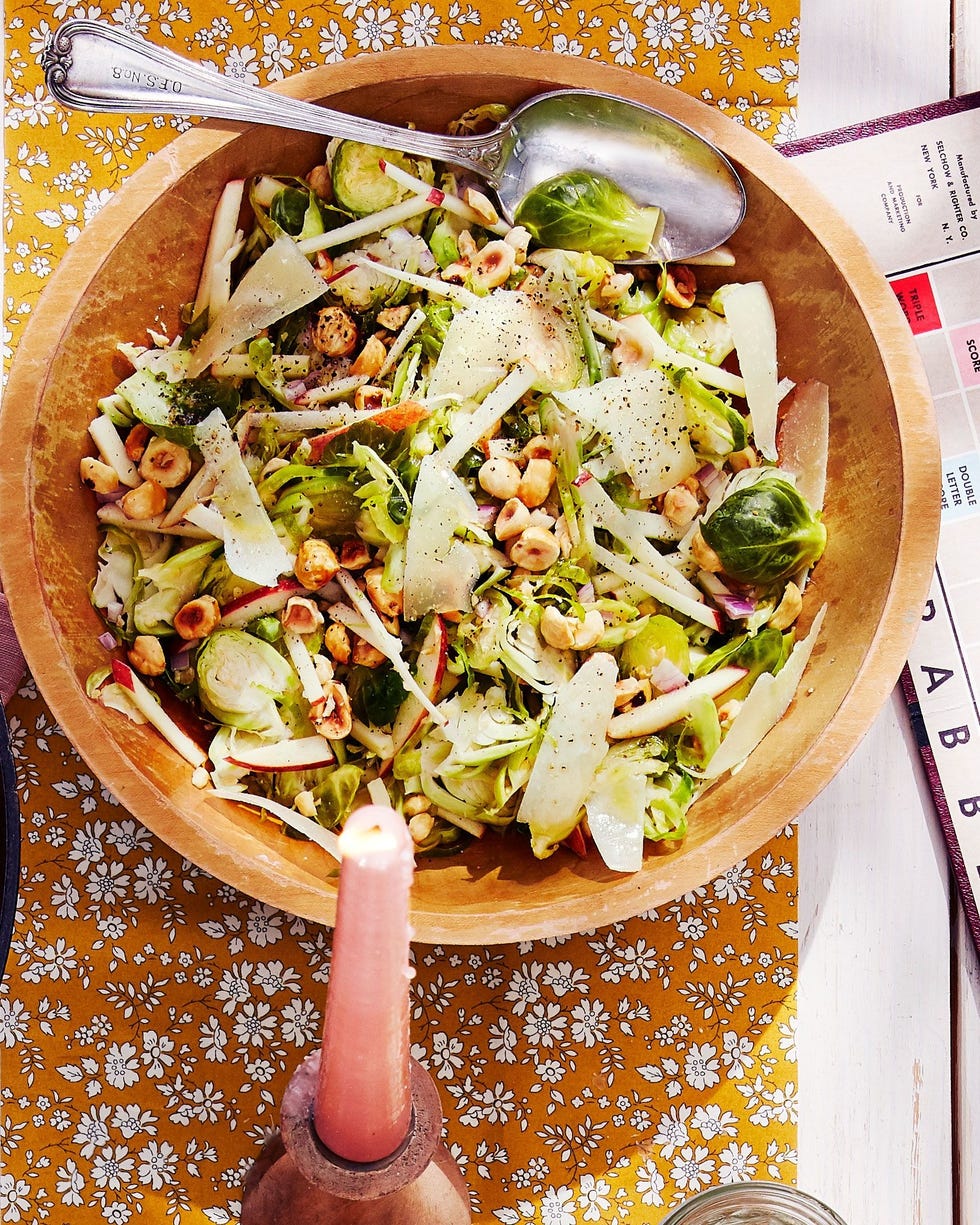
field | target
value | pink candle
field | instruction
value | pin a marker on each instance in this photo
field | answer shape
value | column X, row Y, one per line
column 363, row 1102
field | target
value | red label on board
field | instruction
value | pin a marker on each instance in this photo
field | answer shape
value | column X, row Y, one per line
column 918, row 302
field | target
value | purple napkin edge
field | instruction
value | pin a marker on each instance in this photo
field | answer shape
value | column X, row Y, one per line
column 12, row 663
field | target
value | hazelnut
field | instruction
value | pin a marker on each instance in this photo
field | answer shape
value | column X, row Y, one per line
column 197, row 618
column 500, row 478
column 168, row 463
column 100, row 477
column 535, row 485
column 513, row 518
column 354, row 554
column 387, row 603
column 146, row 501
column 535, row 549
column 493, row 265
column 371, row 357
column 335, row 332
column 678, row 285
column 316, row 563
column 301, row 615
column 146, row 655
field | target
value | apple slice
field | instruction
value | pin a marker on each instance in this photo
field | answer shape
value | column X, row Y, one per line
column 303, row 753
column 430, row 668
column 667, row 708
column 803, row 439
column 151, row 709
column 259, row 603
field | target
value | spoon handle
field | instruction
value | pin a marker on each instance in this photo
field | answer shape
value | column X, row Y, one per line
column 91, row 66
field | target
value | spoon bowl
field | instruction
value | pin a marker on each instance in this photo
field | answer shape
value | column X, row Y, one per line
column 95, row 67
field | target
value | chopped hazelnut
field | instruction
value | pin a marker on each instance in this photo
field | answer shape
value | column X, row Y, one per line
column 301, row 615
column 316, row 563
column 387, row 603
column 146, row 655
column 535, row 549
column 145, row 501
column 335, row 332
column 197, row 618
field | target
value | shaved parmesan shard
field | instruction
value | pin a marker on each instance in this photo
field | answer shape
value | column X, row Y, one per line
column 280, row 281
column 440, row 571
column 748, row 310
column 645, row 418
column 252, row 548
column 767, row 702
column 484, row 339
column 574, row 744
column 616, row 808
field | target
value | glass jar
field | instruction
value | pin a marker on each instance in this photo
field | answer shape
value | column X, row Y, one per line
column 753, row 1203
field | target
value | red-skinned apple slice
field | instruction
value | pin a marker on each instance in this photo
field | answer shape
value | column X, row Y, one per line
column 153, row 712
column 303, row 753
column 804, row 429
column 259, row 603
column 430, row 668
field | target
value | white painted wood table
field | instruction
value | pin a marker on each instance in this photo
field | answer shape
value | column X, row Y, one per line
column 889, row 994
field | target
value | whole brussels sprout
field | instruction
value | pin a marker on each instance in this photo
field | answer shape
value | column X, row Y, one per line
column 765, row 531
column 581, row 211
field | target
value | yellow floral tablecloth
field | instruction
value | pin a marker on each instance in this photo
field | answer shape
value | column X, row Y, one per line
column 151, row 1016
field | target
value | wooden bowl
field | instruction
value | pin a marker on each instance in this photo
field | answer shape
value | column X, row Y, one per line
column 838, row 321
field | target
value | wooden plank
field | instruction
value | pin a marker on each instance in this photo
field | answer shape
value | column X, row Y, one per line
column 967, row 1101
column 863, row 58
column 873, row 1029
column 966, row 46
column 966, row 1055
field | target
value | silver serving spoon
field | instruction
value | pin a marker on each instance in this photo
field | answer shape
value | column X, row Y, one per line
column 91, row 66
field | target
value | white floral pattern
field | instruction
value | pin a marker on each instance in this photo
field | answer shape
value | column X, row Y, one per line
column 151, row 1016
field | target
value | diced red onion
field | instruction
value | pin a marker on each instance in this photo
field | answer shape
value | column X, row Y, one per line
column 331, row 592
column 488, row 514
column 107, row 640
column 586, row 593
column 181, row 658
column 710, row 478
column 733, row 605
column 666, row 676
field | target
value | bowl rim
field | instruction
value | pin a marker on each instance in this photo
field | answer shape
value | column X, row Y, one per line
column 916, row 550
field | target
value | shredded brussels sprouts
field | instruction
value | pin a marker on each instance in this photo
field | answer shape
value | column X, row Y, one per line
column 470, row 513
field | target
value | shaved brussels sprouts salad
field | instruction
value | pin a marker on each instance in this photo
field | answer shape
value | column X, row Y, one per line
column 415, row 509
